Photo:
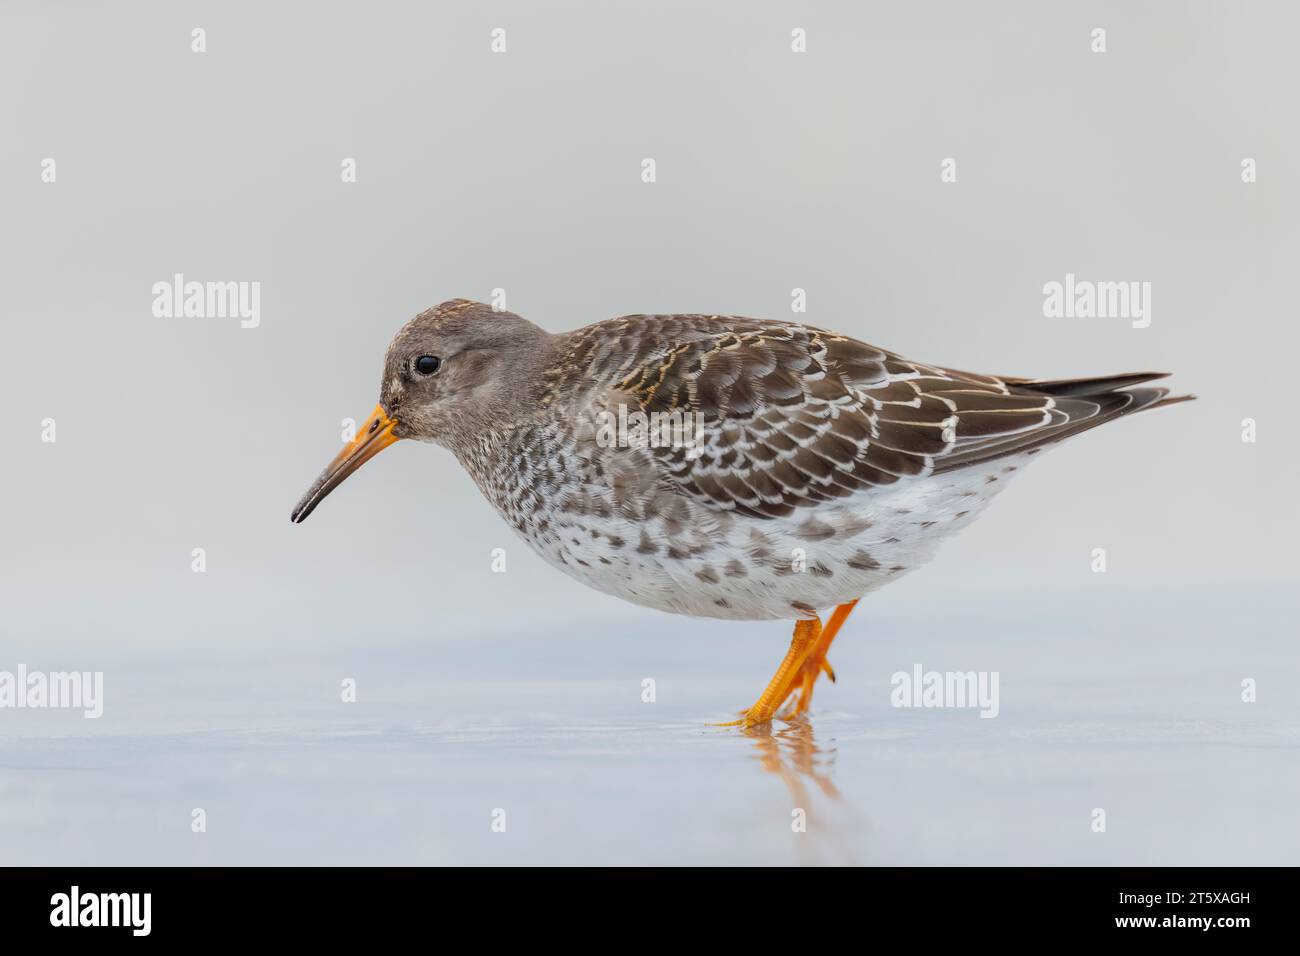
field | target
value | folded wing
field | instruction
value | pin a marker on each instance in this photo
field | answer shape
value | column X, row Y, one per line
column 778, row 417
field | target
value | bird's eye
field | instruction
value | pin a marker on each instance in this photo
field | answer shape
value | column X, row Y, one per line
column 427, row 364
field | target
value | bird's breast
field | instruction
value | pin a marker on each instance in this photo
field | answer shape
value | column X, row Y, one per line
column 613, row 523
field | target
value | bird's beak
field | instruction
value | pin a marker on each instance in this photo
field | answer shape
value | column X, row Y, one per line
column 373, row 437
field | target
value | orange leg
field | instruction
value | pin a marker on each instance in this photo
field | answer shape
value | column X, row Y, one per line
column 786, row 677
column 816, row 662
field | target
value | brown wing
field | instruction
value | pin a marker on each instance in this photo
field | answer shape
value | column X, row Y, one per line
column 783, row 416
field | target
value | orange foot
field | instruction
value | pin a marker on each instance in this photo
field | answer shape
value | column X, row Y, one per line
column 816, row 662
column 803, row 664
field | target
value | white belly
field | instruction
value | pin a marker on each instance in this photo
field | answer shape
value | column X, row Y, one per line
column 725, row 566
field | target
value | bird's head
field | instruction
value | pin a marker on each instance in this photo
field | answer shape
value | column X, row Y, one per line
column 449, row 373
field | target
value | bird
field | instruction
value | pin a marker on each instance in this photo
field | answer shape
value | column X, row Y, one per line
column 721, row 466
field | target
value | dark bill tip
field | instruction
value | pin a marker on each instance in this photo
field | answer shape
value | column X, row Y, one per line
column 374, row 436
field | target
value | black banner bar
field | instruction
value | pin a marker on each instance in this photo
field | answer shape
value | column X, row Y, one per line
column 335, row 905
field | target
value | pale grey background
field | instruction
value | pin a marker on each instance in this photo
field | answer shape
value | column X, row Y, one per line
column 521, row 171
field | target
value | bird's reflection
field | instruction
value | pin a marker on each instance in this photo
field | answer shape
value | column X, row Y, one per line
column 792, row 753
column 789, row 749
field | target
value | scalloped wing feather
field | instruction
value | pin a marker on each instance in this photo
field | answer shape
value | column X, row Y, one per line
column 794, row 415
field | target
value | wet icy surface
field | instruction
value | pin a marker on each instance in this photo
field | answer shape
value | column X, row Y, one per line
column 1141, row 717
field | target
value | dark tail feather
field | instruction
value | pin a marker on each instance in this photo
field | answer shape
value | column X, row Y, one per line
column 1086, row 403
column 1072, row 387
column 1093, row 401
column 1110, row 387
column 1172, row 400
